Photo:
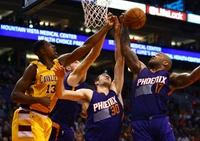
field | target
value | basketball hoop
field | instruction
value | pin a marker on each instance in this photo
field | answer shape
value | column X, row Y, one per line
column 95, row 12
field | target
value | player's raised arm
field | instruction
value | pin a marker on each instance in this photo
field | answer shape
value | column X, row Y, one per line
column 69, row 58
column 81, row 94
column 184, row 79
column 131, row 58
column 118, row 81
column 23, row 84
column 80, row 72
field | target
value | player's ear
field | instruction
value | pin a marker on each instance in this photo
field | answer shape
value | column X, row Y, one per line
column 165, row 63
column 96, row 83
column 42, row 51
column 68, row 68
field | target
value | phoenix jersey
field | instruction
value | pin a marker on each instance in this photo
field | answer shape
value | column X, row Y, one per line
column 44, row 85
column 149, row 96
column 66, row 111
column 105, row 113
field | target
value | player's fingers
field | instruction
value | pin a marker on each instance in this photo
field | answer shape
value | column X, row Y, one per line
column 60, row 68
column 110, row 14
column 116, row 20
column 55, row 69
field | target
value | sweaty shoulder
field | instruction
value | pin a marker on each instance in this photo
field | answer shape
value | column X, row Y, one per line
column 142, row 67
column 143, row 71
column 29, row 74
column 173, row 81
column 31, row 67
column 36, row 62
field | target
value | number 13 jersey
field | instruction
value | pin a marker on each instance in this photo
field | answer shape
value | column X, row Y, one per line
column 149, row 96
column 44, row 85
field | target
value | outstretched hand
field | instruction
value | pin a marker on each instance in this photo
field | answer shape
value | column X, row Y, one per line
column 121, row 18
column 117, row 26
column 110, row 20
column 59, row 71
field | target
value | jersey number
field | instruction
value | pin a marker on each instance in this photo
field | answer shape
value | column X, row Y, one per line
column 115, row 109
column 158, row 87
column 51, row 89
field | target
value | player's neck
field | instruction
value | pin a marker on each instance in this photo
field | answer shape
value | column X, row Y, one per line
column 103, row 89
column 47, row 62
column 156, row 69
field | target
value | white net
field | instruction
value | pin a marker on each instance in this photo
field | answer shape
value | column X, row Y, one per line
column 95, row 12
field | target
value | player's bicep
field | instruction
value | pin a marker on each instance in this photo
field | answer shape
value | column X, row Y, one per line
column 25, row 81
column 178, row 81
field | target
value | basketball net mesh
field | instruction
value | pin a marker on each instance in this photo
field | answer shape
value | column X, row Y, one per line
column 95, row 12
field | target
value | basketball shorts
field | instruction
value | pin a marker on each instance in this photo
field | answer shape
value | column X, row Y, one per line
column 30, row 126
column 61, row 133
column 156, row 129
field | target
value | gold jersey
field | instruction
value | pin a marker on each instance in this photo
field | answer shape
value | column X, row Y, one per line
column 44, row 86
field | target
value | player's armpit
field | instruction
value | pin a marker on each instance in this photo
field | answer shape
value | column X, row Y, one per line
column 131, row 58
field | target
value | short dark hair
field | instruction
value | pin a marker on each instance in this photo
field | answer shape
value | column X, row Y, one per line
column 97, row 79
column 37, row 46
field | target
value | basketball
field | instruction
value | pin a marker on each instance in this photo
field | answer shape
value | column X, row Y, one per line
column 135, row 18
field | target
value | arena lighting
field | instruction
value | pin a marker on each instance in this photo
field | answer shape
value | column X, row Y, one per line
column 78, row 40
column 192, row 18
column 125, row 5
column 122, row 4
column 31, row 56
column 156, row 11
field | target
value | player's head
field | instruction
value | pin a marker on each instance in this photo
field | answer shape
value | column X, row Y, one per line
column 103, row 80
column 43, row 48
column 160, row 61
column 72, row 66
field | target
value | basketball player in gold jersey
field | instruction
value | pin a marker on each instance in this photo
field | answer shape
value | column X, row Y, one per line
column 31, row 123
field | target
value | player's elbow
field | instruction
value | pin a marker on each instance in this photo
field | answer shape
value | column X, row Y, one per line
column 87, row 46
column 14, row 97
column 191, row 79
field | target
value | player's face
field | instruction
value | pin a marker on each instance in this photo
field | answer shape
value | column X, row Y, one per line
column 157, row 59
column 104, row 79
column 50, row 50
column 74, row 64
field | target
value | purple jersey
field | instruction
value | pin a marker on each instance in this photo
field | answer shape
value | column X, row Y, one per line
column 66, row 111
column 105, row 113
column 149, row 96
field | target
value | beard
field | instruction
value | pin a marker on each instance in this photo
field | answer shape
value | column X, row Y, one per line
column 106, row 84
column 154, row 65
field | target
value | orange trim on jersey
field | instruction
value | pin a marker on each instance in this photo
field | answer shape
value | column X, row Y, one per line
column 169, row 93
column 57, row 126
column 123, row 113
column 73, row 88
